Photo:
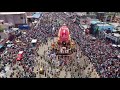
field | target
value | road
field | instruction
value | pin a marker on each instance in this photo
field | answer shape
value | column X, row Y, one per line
column 89, row 70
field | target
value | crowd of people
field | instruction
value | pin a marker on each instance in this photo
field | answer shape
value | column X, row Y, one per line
column 101, row 53
column 25, row 67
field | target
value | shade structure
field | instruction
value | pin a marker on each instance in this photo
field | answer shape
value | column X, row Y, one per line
column 34, row 41
column 9, row 45
column 118, row 45
column 15, row 29
column 20, row 52
column 24, row 27
column 37, row 15
column 1, row 46
column 7, row 68
column 114, row 45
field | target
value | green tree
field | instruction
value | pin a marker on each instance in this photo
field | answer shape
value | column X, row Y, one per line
column 1, row 29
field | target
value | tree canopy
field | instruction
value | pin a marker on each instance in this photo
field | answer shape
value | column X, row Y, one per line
column 1, row 29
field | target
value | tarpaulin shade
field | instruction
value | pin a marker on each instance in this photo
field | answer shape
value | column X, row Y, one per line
column 24, row 27
column 36, row 15
column 1, row 46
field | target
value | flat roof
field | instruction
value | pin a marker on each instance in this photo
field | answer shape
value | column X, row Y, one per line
column 94, row 22
column 29, row 16
column 103, row 24
column 34, row 41
column 85, row 26
column 8, row 13
column 117, row 34
column 20, row 52
column 1, row 20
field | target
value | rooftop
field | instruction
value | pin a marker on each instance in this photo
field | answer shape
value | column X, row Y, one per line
column 117, row 34
column 103, row 24
column 8, row 13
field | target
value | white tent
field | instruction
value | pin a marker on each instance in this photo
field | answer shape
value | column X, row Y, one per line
column 119, row 56
column 114, row 45
column 24, row 32
column 93, row 38
column 7, row 68
column 34, row 41
column 9, row 45
column 8, row 41
column 20, row 52
column 15, row 29
column 118, row 45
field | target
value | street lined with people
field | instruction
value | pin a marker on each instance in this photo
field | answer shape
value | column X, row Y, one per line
column 93, row 59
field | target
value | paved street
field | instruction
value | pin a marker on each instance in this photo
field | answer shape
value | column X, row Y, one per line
column 63, row 73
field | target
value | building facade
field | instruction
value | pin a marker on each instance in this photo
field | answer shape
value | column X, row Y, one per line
column 15, row 18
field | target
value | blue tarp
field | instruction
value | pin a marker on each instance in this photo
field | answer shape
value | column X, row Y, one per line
column 94, row 22
column 37, row 15
column 24, row 27
column 104, row 27
column 1, row 46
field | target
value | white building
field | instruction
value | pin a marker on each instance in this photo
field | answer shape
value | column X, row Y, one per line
column 15, row 18
column 81, row 13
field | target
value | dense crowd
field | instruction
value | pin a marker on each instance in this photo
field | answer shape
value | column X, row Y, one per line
column 25, row 67
column 100, row 52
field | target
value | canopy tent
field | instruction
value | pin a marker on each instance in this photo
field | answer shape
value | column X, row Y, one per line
column 37, row 15
column 7, row 68
column 95, row 22
column 6, row 52
column 102, row 27
column 9, row 45
column 114, row 24
column 85, row 26
column 29, row 16
column 116, row 34
column 24, row 32
column 114, row 30
column 20, row 52
column 114, row 45
column 8, row 41
column 1, row 46
column 15, row 29
column 93, row 38
column 24, row 27
column 19, row 57
column 34, row 41
column 118, row 45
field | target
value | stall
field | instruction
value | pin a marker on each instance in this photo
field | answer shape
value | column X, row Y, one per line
column 37, row 15
column 92, row 25
column 114, row 45
column 24, row 27
column 20, row 56
column 2, row 47
column 104, row 26
column 118, row 46
column 34, row 41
